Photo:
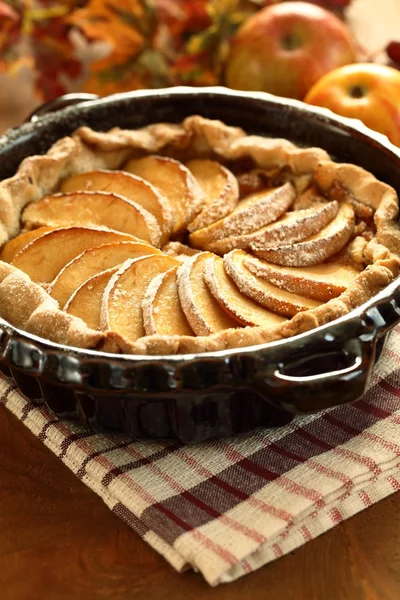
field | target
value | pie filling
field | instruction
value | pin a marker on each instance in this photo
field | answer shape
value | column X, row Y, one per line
column 189, row 238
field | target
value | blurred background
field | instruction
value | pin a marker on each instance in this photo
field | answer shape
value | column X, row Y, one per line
column 49, row 48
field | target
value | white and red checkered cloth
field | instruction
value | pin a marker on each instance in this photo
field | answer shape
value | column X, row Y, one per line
column 227, row 507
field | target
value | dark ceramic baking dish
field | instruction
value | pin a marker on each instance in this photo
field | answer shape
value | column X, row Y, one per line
column 197, row 397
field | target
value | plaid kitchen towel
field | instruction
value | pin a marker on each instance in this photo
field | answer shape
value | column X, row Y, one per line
column 228, row 507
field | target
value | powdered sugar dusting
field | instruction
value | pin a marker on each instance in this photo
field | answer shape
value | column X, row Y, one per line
column 252, row 213
column 327, row 242
column 267, row 294
column 242, row 308
column 293, row 227
column 221, row 192
column 202, row 311
column 323, row 282
column 148, row 308
column 186, row 297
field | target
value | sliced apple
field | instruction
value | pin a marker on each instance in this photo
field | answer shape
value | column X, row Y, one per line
column 86, row 301
column 316, row 248
column 293, row 227
column 121, row 310
column 236, row 304
column 272, row 297
column 162, row 311
column 93, row 209
column 220, row 189
column 93, row 261
column 127, row 185
column 320, row 282
column 23, row 239
column 175, row 182
column 203, row 312
column 255, row 211
column 45, row 256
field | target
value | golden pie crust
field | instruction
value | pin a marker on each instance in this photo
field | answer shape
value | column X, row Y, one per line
column 308, row 172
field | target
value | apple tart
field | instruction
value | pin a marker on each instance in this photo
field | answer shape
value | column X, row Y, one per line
column 189, row 238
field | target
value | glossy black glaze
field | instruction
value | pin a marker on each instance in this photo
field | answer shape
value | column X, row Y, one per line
column 196, row 397
column 58, row 104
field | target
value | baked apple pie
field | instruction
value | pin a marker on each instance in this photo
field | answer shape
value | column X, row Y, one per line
column 189, row 238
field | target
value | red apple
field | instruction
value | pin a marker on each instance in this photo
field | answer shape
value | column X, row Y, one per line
column 369, row 92
column 285, row 48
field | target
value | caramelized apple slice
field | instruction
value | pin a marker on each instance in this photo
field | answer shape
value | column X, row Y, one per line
column 128, row 186
column 93, row 209
column 23, row 239
column 162, row 311
column 203, row 312
column 85, row 302
column 316, row 248
column 45, row 256
column 293, row 227
column 320, row 282
column 272, row 297
column 175, row 182
column 121, row 310
column 255, row 211
column 92, row 261
column 220, row 188
column 236, row 304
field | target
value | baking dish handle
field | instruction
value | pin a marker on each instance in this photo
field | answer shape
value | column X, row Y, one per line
column 59, row 103
column 336, row 362
column 332, row 372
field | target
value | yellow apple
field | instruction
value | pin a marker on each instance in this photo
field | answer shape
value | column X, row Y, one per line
column 285, row 48
column 364, row 91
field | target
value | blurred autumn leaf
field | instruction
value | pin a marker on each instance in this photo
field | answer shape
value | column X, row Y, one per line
column 109, row 46
column 9, row 29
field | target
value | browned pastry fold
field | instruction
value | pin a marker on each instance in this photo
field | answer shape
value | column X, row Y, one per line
column 27, row 306
column 38, row 176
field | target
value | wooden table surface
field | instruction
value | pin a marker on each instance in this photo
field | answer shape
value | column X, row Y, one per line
column 59, row 541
